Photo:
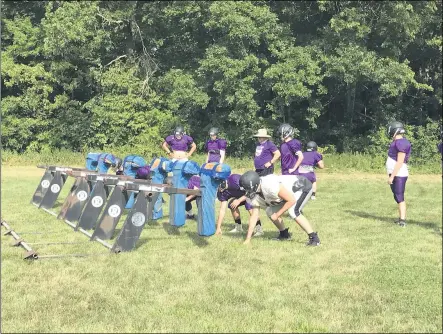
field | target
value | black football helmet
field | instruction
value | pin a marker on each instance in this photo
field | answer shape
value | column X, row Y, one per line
column 249, row 183
column 179, row 131
column 311, row 146
column 395, row 128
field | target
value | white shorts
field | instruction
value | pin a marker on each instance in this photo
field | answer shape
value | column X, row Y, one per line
column 295, row 210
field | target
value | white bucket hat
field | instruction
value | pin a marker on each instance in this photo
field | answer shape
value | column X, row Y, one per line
column 263, row 133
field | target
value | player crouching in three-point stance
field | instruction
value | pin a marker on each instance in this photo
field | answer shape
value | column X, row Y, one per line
column 398, row 156
column 278, row 194
column 229, row 190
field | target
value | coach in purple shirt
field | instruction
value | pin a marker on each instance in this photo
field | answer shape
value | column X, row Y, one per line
column 266, row 153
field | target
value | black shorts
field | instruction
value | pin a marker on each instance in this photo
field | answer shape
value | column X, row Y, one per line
column 265, row 171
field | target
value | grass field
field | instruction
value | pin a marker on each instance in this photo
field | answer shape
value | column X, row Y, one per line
column 369, row 275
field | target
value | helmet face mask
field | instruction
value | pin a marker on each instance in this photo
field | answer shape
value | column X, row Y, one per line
column 213, row 131
column 179, row 131
column 249, row 183
column 118, row 163
column 395, row 128
column 285, row 130
column 223, row 186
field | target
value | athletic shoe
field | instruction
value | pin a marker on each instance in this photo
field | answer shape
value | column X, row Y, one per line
column 283, row 235
column 313, row 197
column 258, row 231
column 237, row 229
column 313, row 240
column 190, row 216
column 401, row 223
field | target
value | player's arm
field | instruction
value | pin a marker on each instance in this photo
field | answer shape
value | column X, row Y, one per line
column 221, row 216
column 290, row 200
column 222, row 156
column 252, row 222
column 400, row 160
column 165, row 147
column 300, row 156
column 276, row 156
column 320, row 164
column 193, row 148
column 235, row 203
column 191, row 197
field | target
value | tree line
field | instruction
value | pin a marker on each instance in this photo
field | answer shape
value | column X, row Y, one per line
column 103, row 74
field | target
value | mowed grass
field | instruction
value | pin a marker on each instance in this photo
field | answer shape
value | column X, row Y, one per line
column 369, row 275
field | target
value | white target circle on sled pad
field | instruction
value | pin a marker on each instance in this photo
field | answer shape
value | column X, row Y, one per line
column 55, row 188
column 97, row 201
column 82, row 195
column 45, row 183
column 114, row 211
column 138, row 219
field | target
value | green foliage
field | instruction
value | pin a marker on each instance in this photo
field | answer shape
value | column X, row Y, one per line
column 123, row 73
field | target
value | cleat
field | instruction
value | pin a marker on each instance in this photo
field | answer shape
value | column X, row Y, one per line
column 258, row 231
column 313, row 240
column 237, row 229
column 313, row 197
column 283, row 235
column 190, row 216
column 401, row 223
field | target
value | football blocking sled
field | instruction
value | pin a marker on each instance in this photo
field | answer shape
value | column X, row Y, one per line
column 89, row 185
column 50, row 185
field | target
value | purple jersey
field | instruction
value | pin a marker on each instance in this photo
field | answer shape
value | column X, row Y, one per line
column 311, row 158
column 194, row 181
column 288, row 156
column 264, row 153
column 440, row 147
column 213, row 147
column 400, row 145
column 179, row 144
column 233, row 190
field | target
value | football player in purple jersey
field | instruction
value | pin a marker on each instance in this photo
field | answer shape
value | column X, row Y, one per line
column 216, row 147
column 230, row 195
column 194, row 184
column 397, row 168
column 291, row 150
column 266, row 153
column 180, row 144
column 311, row 159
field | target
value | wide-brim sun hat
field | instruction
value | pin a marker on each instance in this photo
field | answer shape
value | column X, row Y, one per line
column 262, row 133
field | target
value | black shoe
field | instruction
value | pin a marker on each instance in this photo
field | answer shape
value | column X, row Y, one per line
column 400, row 222
column 313, row 240
column 283, row 235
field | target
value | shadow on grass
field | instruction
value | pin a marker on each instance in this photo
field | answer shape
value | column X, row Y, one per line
column 390, row 220
column 171, row 230
column 198, row 240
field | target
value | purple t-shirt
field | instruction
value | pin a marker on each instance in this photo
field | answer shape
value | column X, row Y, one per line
column 400, row 145
column 264, row 153
column 288, row 157
column 194, row 181
column 179, row 144
column 440, row 147
column 233, row 190
column 311, row 158
column 214, row 147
